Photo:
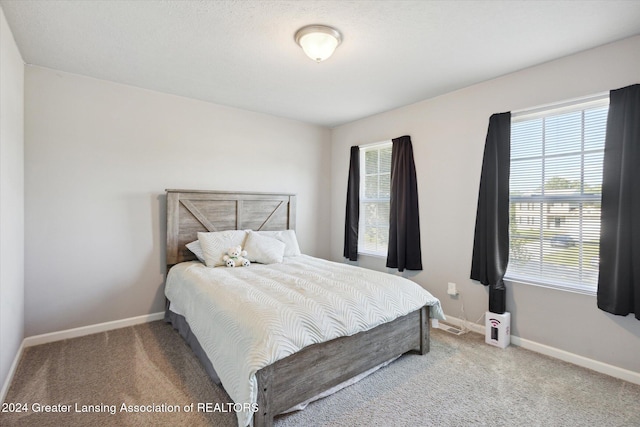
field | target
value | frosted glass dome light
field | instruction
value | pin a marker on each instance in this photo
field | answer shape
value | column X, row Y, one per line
column 318, row 41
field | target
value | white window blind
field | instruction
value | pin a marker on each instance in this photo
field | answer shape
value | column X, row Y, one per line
column 375, row 191
column 555, row 195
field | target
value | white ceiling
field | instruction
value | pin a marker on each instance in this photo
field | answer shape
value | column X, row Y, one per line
column 242, row 53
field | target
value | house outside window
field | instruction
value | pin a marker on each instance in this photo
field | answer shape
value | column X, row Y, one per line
column 375, row 193
column 556, row 183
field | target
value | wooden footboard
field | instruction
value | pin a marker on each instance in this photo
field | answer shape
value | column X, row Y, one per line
column 319, row 367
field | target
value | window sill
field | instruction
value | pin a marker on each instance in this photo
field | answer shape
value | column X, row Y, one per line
column 373, row 254
column 583, row 290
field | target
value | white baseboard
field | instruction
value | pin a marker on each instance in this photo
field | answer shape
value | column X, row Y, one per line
column 12, row 371
column 585, row 362
column 91, row 329
column 473, row 327
column 72, row 333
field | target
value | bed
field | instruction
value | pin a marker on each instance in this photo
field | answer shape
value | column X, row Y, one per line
column 312, row 369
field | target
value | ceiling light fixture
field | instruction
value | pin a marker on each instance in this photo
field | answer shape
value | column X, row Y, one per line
column 318, row 41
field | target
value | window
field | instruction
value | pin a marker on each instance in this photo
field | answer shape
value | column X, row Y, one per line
column 556, row 183
column 375, row 191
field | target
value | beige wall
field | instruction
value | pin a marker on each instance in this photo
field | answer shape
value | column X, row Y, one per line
column 11, row 200
column 448, row 135
column 98, row 158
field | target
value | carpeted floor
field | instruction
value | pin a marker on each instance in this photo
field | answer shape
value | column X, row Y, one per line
column 461, row 382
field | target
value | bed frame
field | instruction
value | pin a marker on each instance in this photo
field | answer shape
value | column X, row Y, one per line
column 316, row 368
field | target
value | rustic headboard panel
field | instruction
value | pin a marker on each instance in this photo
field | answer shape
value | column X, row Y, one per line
column 191, row 211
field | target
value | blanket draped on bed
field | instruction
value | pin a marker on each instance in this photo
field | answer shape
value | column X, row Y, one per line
column 247, row 318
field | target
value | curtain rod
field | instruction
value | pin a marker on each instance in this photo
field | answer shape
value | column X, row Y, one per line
column 373, row 144
column 561, row 104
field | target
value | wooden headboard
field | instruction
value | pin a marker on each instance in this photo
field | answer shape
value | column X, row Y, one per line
column 191, row 211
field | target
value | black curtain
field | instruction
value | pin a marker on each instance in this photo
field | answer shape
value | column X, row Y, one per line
column 619, row 276
column 491, row 238
column 404, row 222
column 352, row 215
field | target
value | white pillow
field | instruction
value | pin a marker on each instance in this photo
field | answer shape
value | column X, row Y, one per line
column 216, row 244
column 288, row 237
column 196, row 249
column 263, row 249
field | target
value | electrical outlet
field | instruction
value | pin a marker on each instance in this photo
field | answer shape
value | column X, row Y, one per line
column 451, row 289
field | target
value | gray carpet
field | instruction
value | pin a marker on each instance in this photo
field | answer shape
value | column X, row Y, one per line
column 461, row 382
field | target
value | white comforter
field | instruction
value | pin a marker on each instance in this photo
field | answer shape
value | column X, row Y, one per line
column 247, row 318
